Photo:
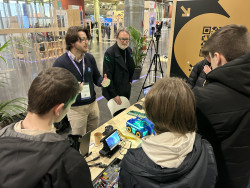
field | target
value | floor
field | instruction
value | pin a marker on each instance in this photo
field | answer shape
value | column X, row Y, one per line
column 18, row 74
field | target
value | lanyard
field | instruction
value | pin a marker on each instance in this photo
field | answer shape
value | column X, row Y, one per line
column 77, row 68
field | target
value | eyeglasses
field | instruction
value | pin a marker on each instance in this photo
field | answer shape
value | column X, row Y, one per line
column 124, row 39
column 83, row 39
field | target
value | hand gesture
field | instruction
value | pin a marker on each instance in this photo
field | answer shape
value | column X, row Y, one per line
column 206, row 69
column 106, row 81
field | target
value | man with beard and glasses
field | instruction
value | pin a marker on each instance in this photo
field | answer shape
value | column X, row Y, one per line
column 119, row 66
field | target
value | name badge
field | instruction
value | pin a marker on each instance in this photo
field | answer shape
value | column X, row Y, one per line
column 85, row 93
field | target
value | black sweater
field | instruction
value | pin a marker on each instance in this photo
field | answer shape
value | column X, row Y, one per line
column 91, row 75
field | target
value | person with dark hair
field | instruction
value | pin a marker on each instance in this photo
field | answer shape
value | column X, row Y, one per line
column 118, row 64
column 176, row 156
column 88, row 27
column 198, row 75
column 32, row 154
column 108, row 30
column 223, row 111
column 103, row 29
column 84, row 113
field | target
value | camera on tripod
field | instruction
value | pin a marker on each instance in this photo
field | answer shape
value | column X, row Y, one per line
column 157, row 34
column 156, row 61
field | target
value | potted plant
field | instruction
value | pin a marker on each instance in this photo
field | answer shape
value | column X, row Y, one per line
column 138, row 42
column 10, row 110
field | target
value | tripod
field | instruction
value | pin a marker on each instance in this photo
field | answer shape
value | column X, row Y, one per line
column 156, row 61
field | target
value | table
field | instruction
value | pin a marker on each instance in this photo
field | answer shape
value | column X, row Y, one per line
column 118, row 122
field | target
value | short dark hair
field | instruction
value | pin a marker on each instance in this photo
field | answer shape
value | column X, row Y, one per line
column 122, row 29
column 232, row 41
column 51, row 87
column 170, row 105
column 72, row 35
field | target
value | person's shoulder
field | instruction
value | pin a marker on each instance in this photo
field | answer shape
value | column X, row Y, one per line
column 90, row 56
column 73, row 158
column 129, row 49
column 200, row 93
column 111, row 49
column 63, row 56
column 134, row 154
column 205, row 96
column 60, row 60
column 201, row 63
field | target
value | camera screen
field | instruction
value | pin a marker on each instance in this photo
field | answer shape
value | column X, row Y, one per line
column 113, row 140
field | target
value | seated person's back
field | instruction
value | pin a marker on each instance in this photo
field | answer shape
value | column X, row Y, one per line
column 176, row 156
column 32, row 154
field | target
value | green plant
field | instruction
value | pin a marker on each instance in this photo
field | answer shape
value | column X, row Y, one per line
column 138, row 42
column 10, row 108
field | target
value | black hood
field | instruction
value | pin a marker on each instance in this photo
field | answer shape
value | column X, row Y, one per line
column 234, row 74
column 149, row 170
column 26, row 159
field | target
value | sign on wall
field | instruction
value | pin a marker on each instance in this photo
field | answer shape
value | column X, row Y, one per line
column 195, row 22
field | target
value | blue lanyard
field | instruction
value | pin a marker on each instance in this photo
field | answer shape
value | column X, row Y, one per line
column 83, row 66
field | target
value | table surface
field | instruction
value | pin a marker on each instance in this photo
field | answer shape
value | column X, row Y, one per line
column 118, row 122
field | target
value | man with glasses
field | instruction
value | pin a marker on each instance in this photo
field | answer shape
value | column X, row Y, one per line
column 119, row 65
column 84, row 113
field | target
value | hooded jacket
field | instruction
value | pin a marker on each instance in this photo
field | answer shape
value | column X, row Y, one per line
column 197, row 76
column 223, row 115
column 197, row 170
column 45, row 160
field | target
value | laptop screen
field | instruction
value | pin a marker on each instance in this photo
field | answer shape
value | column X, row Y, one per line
column 84, row 144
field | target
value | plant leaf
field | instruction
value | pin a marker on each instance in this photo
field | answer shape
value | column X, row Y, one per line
column 12, row 107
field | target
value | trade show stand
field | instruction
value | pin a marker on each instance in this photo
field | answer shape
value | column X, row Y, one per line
column 129, row 140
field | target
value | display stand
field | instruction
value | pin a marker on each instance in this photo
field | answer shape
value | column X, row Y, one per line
column 47, row 50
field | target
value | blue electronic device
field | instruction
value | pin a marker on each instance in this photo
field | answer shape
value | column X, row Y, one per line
column 110, row 144
column 113, row 140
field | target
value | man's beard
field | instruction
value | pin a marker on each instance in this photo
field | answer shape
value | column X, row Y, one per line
column 122, row 46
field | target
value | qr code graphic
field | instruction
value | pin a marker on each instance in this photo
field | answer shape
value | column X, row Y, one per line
column 206, row 33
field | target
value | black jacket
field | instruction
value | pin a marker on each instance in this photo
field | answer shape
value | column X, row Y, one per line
column 223, row 114
column 91, row 75
column 197, row 170
column 198, row 77
column 45, row 160
column 119, row 72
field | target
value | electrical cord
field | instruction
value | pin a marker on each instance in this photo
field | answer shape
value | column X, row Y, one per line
column 95, row 164
column 123, row 144
column 100, row 165
column 103, row 166
column 94, row 159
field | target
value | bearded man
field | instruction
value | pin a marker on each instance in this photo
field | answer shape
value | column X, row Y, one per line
column 119, row 66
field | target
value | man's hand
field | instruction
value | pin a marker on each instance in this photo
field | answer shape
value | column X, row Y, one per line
column 106, row 81
column 206, row 69
column 118, row 100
